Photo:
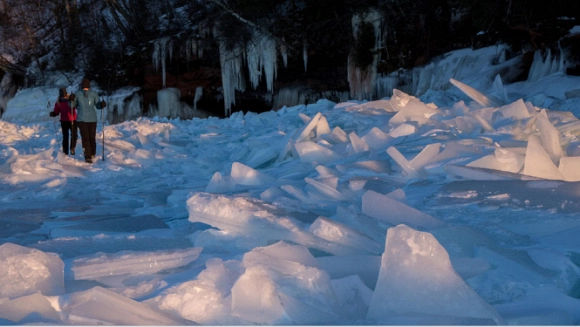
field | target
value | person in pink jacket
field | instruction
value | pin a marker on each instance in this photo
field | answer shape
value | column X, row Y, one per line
column 68, row 118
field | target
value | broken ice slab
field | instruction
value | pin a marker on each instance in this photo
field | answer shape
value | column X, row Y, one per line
column 103, row 307
column 322, row 128
column 415, row 111
column 131, row 262
column 336, row 137
column 538, row 163
column 78, row 226
column 282, row 285
column 304, row 135
column 550, row 137
column 398, row 157
column 244, row 175
column 416, row 274
column 29, row 309
column 338, row 233
column 364, row 266
column 384, row 208
column 327, row 190
column 353, row 297
column 425, row 156
column 220, row 184
column 377, row 139
column 402, row 130
column 474, row 94
column 484, row 174
column 261, row 156
column 26, row 271
column 517, row 110
column 315, row 153
column 358, row 144
column 569, row 168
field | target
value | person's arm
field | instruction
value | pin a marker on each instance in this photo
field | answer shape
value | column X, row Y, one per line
column 56, row 111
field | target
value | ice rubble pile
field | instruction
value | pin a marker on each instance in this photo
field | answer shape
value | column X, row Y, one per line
column 357, row 254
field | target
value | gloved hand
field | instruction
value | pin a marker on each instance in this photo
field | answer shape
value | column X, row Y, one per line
column 71, row 97
column 52, row 114
column 103, row 104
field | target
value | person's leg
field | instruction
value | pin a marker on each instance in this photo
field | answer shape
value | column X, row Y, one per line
column 92, row 137
column 85, row 135
column 74, row 137
column 64, row 126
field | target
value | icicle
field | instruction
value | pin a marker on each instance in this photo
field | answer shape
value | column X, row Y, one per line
column 261, row 58
column 160, row 54
column 198, row 95
column 284, row 53
column 231, row 69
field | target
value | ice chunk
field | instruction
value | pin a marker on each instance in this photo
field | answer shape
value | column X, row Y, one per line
column 304, row 135
column 337, row 136
column 283, row 285
column 416, row 277
column 516, row 109
column 29, row 309
column 322, row 128
column 205, row 300
column 425, row 156
column 339, row 233
column 402, row 130
column 244, row 175
column 358, row 144
column 353, row 296
column 26, row 271
column 550, row 137
column 509, row 159
column 255, row 298
column 377, row 139
column 474, row 94
column 414, row 110
column 364, row 266
column 569, row 168
column 220, row 184
column 328, row 190
column 410, row 172
column 131, row 262
column 101, row 306
column 312, row 152
column 538, row 163
column 382, row 207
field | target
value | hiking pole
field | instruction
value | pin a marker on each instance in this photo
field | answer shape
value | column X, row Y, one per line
column 103, row 123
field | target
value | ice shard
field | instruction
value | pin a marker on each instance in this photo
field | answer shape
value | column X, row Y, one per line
column 416, row 278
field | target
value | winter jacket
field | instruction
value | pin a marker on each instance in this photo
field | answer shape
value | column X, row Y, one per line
column 86, row 102
column 62, row 108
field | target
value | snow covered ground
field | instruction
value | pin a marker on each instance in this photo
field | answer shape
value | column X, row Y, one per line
column 443, row 209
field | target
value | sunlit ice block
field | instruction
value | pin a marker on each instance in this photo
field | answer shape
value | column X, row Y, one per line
column 358, row 144
column 30, row 309
column 377, row 139
column 101, row 306
column 205, row 300
column 550, row 136
column 338, row 233
column 305, row 133
column 244, row 175
column 283, row 285
column 569, row 168
column 517, row 110
column 502, row 159
column 403, row 130
column 414, row 110
column 26, row 271
column 417, row 277
column 337, row 136
column 131, row 263
column 382, row 207
column 312, row 152
column 327, row 190
column 538, row 163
